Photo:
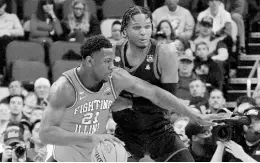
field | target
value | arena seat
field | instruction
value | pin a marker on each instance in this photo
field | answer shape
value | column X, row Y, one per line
column 67, row 7
column 116, row 8
column 61, row 66
column 30, row 7
column 28, row 51
column 105, row 26
column 59, row 48
column 28, row 71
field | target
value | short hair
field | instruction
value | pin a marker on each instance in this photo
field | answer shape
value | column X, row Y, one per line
column 246, row 99
column 21, row 84
column 12, row 96
column 202, row 43
column 217, row 90
column 94, row 44
column 116, row 23
column 132, row 11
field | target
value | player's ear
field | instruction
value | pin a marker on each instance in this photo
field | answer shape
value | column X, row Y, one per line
column 89, row 61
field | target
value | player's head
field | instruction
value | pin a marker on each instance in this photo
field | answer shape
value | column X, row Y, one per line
column 98, row 57
column 137, row 26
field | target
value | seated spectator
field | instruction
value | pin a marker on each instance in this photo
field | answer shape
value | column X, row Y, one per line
column 181, row 19
column 115, row 32
column 39, row 152
column 186, row 75
column 10, row 27
column 15, row 88
column 16, row 103
column 208, row 70
column 45, row 27
column 42, row 88
column 217, row 103
column 219, row 15
column 238, row 10
column 80, row 23
column 37, row 114
column 13, row 137
column 243, row 103
column 5, row 116
column 166, row 27
column 179, row 127
column 247, row 149
column 198, row 92
column 216, row 46
column 202, row 146
column 30, row 102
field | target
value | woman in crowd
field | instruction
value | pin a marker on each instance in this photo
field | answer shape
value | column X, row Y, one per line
column 44, row 25
column 80, row 23
column 166, row 27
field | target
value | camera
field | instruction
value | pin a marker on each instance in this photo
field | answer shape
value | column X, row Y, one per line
column 230, row 129
column 19, row 150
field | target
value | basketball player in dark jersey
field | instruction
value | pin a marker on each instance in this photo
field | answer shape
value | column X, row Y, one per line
column 77, row 110
column 144, row 127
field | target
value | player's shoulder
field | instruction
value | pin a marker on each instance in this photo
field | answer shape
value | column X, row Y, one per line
column 62, row 90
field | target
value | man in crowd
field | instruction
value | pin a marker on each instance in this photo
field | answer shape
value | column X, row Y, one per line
column 186, row 75
column 15, row 88
column 243, row 103
column 247, row 150
column 42, row 88
column 181, row 19
column 217, row 102
column 16, row 103
column 115, row 32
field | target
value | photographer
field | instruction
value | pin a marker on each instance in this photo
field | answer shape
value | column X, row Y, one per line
column 248, row 149
column 14, row 145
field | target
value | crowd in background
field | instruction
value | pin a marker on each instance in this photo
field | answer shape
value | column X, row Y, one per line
column 209, row 36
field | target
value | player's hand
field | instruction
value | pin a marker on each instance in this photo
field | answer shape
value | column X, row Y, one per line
column 206, row 119
column 122, row 79
column 106, row 137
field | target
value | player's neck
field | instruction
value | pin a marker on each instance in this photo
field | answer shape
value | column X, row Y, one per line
column 135, row 51
column 86, row 78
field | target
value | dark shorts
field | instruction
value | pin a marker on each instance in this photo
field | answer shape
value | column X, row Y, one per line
column 161, row 145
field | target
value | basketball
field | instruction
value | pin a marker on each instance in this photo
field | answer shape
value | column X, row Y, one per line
column 109, row 152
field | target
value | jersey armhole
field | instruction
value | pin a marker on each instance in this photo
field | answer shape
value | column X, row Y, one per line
column 75, row 89
column 157, row 70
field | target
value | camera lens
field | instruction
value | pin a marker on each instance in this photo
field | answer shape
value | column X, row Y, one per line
column 224, row 133
column 20, row 151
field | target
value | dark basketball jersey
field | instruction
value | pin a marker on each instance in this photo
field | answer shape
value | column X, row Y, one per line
column 143, row 115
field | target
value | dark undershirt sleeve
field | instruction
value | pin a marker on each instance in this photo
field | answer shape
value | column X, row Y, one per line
column 170, row 87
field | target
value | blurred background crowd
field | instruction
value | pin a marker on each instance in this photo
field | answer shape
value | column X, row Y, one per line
column 40, row 39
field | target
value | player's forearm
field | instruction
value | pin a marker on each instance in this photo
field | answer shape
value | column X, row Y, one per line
column 168, row 101
column 58, row 136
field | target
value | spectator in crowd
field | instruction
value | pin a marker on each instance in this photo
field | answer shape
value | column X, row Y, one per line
column 186, row 75
column 39, row 152
column 10, row 27
column 30, row 102
column 217, row 49
column 80, row 23
column 238, row 10
column 42, row 88
column 16, row 103
column 243, row 103
column 179, row 127
column 181, row 19
column 201, row 143
column 166, row 27
column 254, row 14
column 5, row 116
column 37, row 113
column 115, row 32
column 207, row 69
column 27, row 132
column 219, row 15
column 248, row 149
column 13, row 137
column 217, row 102
column 45, row 27
column 15, row 88
column 257, row 100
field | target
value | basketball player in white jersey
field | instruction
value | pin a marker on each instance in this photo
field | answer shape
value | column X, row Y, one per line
column 78, row 106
